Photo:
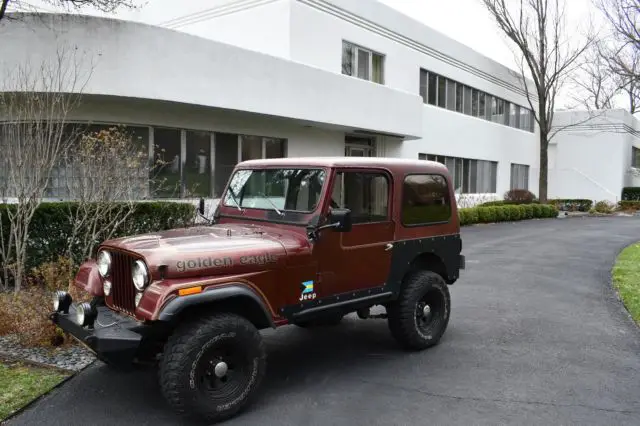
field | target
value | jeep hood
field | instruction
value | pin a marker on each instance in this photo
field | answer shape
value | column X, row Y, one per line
column 212, row 250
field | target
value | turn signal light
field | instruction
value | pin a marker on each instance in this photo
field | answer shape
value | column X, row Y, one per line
column 190, row 290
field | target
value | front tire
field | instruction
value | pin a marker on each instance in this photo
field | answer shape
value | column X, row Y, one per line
column 212, row 367
column 420, row 315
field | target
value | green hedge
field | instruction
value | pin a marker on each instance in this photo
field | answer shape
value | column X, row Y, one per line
column 506, row 203
column 51, row 226
column 507, row 213
column 572, row 205
column 629, row 205
column 631, row 193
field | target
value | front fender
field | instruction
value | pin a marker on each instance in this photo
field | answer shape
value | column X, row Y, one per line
column 88, row 278
column 214, row 294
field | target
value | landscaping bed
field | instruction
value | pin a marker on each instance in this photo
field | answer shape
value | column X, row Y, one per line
column 21, row 384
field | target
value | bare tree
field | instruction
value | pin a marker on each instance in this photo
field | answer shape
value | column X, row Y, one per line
column 623, row 15
column 106, row 170
column 108, row 6
column 595, row 85
column 544, row 49
column 34, row 105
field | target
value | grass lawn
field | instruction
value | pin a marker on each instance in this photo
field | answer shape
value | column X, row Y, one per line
column 626, row 279
column 20, row 384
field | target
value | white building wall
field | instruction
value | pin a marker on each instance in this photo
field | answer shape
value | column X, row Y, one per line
column 301, row 140
column 319, row 26
column 260, row 25
column 453, row 134
column 592, row 157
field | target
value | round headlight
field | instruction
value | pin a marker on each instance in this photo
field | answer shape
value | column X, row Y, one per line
column 61, row 301
column 106, row 287
column 140, row 275
column 104, row 263
column 85, row 314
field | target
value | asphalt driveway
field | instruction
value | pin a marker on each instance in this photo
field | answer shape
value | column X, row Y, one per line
column 536, row 336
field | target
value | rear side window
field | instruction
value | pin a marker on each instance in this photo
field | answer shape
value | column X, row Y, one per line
column 425, row 200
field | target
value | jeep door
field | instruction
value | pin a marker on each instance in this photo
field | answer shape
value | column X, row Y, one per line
column 361, row 258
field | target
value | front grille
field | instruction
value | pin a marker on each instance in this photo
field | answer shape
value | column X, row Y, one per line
column 123, row 293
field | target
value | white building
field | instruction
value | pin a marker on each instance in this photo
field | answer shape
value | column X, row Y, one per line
column 594, row 155
column 324, row 77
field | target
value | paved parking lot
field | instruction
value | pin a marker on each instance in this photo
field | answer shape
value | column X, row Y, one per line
column 536, row 336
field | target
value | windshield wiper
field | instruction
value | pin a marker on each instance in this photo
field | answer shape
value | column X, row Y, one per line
column 233, row 197
column 271, row 202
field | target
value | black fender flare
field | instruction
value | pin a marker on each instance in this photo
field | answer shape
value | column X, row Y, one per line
column 214, row 294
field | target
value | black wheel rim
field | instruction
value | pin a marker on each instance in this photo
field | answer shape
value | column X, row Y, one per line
column 230, row 359
column 430, row 313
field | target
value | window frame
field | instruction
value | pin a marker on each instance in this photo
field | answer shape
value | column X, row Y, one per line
column 387, row 175
column 425, row 224
column 354, row 62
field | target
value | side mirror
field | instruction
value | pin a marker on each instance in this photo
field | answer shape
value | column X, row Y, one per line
column 201, row 207
column 342, row 219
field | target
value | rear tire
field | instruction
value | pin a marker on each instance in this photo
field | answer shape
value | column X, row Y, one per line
column 420, row 315
column 212, row 367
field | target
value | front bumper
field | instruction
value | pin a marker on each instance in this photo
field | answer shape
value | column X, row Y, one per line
column 115, row 338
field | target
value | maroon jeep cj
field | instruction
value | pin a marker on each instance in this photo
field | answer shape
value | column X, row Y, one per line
column 300, row 241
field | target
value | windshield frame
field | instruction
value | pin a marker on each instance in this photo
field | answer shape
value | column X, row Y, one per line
column 227, row 200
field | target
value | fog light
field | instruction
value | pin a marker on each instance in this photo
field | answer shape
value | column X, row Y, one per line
column 61, row 301
column 106, row 287
column 85, row 314
column 138, row 299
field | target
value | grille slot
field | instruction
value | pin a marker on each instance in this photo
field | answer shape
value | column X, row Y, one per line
column 123, row 293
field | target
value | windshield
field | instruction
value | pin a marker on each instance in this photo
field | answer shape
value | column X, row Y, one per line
column 279, row 190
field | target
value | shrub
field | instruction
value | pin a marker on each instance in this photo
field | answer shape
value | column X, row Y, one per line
column 487, row 214
column 572, row 205
column 504, row 203
column 51, row 226
column 528, row 211
column 537, row 210
column 629, row 205
column 514, row 212
column 631, row 193
column 520, row 196
column 604, row 207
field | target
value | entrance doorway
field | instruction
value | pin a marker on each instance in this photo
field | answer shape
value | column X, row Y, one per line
column 359, row 146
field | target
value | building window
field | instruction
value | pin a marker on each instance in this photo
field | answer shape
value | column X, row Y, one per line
column 442, row 91
column 166, row 182
column 459, row 96
column 455, row 96
column 519, row 176
column 467, row 100
column 470, row 176
column 424, row 76
column 362, row 63
column 451, row 95
column 197, row 169
column 635, row 157
column 474, row 103
column 365, row 194
column 425, row 200
column 433, row 89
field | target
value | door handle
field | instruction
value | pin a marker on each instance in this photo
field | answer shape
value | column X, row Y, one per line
column 388, row 247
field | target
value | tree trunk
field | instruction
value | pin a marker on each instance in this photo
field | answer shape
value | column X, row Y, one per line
column 3, row 8
column 544, row 166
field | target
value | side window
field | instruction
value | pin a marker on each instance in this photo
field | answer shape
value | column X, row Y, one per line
column 365, row 194
column 425, row 200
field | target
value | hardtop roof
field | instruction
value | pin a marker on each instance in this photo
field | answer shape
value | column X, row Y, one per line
column 384, row 162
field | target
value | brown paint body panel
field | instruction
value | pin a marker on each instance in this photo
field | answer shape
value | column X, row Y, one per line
column 273, row 256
